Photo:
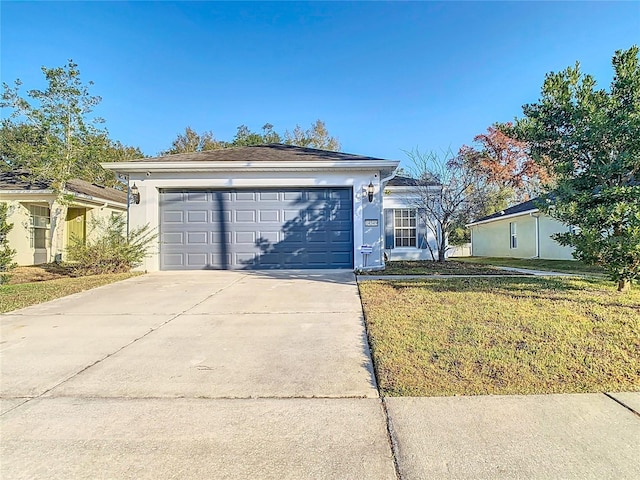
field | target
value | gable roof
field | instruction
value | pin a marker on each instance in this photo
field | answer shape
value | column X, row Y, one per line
column 276, row 152
column 519, row 209
column 22, row 180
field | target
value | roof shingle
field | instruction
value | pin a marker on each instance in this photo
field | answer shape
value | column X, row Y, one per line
column 22, row 180
column 275, row 152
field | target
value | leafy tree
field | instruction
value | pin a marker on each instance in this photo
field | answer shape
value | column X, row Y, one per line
column 6, row 252
column 192, row 141
column 246, row 138
column 506, row 163
column 68, row 135
column 446, row 194
column 315, row 137
column 591, row 140
column 17, row 142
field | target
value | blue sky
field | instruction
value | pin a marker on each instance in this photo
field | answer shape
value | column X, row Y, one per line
column 384, row 76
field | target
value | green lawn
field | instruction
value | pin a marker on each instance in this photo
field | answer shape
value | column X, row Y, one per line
column 505, row 335
column 564, row 266
column 13, row 297
column 428, row 267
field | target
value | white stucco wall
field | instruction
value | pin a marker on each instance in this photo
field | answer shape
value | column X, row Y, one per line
column 150, row 184
column 401, row 197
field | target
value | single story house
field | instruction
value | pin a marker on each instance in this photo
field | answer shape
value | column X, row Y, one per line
column 406, row 236
column 260, row 207
column 30, row 202
column 521, row 231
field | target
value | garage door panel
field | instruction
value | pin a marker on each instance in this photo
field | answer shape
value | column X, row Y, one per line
column 196, row 197
column 269, row 216
column 173, row 216
column 268, row 228
column 197, row 216
column 246, row 216
column 220, row 237
column 197, row 238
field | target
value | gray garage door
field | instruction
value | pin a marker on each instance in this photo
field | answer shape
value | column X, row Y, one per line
column 256, row 229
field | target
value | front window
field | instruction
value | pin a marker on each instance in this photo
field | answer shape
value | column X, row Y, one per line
column 39, row 222
column 405, row 227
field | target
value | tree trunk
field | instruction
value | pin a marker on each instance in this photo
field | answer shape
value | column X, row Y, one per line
column 623, row 285
column 442, row 248
column 56, row 233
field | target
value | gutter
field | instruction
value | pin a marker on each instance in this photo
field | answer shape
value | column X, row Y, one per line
column 80, row 196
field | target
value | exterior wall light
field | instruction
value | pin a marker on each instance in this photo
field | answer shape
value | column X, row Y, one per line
column 370, row 192
column 135, row 194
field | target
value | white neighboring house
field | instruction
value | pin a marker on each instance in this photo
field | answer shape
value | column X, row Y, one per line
column 521, row 231
column 260, row 207
column 405, row 232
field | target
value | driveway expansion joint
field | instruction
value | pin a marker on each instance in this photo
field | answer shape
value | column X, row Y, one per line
column 621, row 403
column 392, row 443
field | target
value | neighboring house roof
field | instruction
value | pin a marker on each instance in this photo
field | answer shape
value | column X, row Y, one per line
column 400, row 181
column 520, row 209
column 259, row 153
column 22, row 180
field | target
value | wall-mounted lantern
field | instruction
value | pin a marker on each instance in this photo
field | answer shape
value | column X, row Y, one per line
column 370, row 192
column 135, row 194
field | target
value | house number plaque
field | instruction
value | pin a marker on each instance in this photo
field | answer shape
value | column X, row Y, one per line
column 371, row 222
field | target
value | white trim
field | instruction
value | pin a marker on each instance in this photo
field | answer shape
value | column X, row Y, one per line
column 235, row 166
column 513, row 215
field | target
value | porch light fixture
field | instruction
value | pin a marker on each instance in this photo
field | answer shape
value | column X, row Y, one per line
column 370, row 192
column 135, row 194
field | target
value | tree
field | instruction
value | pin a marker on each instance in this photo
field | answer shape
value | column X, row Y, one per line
column 505, row 163
column 61, row 116
column 315, row 137
column 191, row 141
column 6, row 252
column 246, row 138
column 591, row 140
column 17, row 142
column 445, row 193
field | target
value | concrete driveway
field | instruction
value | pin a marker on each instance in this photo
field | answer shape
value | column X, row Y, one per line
column 194, row 375
column 233, row 375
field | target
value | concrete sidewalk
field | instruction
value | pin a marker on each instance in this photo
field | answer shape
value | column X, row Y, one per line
column 263, row 375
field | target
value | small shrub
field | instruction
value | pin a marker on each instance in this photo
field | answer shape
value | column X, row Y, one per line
column 110, row 251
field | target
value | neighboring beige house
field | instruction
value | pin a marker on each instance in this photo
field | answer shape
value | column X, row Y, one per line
column 521, row 231
column 30, row 203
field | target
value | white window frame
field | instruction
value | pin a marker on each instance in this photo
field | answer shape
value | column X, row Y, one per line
column 513, row 235
column 39, row 220
column 408, row 222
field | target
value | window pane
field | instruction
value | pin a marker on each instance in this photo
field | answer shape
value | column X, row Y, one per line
column 40, row 238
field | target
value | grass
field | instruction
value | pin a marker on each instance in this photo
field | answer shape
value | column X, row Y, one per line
column 564, row 266
column 19, row 295
column 478, row 336
column 428, row 267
